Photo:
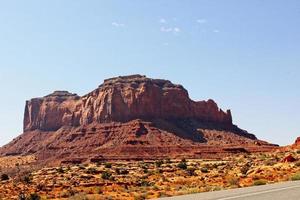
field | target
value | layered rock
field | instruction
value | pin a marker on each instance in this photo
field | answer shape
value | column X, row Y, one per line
column 129, row 117
column 120, row 99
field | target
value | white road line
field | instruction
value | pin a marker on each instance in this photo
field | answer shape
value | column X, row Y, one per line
column 257, row 193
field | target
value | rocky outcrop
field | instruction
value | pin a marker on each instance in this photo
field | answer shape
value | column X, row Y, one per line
column 129, row 117
column 120, row 99
column 297, row 142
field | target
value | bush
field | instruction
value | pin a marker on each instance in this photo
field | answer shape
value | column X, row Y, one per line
column 4, row 177
column 159, row 163
column 27, row 178
column 121, row 171
column 297, row 164
column 245, row 169
column 260, row 182
column 105, row 175
column 60, row 170
column 92, row 170
column 191, row 171
column 204, row 170
column 34, row 196
column 108, row 165
column 296, row 177
column 182, row 165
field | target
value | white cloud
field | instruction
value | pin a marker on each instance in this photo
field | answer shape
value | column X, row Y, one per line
column 216, row 31
column 166, row 29
column 116, row 24
column 201, row 21
column 162, row 21
column 174, row 30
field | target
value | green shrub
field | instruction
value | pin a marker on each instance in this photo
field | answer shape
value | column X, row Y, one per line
column 27, row 178
column 158, row 163
column 108, row 165
column 204, row 170
column 191, row 171
column 60, row 170
column 182, row 165
column 106, row 175
column 91, row 170
column 260, row 182
column 296, row 177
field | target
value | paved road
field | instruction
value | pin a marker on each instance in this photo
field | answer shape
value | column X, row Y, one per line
column 278, row 191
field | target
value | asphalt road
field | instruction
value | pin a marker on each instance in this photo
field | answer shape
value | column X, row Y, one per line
column 278, row 191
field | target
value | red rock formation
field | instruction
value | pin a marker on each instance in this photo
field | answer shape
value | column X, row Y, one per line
column 120, row 99
column 289, row 158
column 131, row 117
column 297, row 142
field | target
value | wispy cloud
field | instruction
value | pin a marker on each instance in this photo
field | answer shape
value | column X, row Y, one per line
column 174, row 30
column 201, row 21
column 216, row 31
column 162, row 21
column 166, row 29
column 118, row 25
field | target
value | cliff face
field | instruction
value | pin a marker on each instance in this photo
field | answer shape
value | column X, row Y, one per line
column 120, row 99
column 130, row 117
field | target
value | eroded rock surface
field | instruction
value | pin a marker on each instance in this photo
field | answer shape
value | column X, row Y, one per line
column 120, row 99
column 129, row 117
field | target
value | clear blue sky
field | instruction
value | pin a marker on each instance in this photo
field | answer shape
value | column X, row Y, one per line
column 243, row 54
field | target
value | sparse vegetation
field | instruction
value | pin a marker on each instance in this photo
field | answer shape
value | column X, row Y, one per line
column 296, row 177
column 182, row 165
column 260, row 182
column 106, row 175
column 152, row 179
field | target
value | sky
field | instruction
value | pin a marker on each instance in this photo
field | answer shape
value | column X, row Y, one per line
column 243, row 54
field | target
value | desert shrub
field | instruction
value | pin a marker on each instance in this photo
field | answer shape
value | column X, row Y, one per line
column 91, row 170
column 121, row 171
column 270, row 162
column 260, row 182
column 27, row 179
column 106, row 175
column 295, row 177
column 159, row 163
column 60, row 170
column 108, row 165
column 297, row 164
column 144, row 183
column 298, row 151
column 182, row 165
column 141, row 196
column 191, row 171
column 40, row 186
column 33, row 196
column 204, row 170
column 4, row 177
column 245, row 169
column 168, row 161
column 233, row 181
column 81, row 167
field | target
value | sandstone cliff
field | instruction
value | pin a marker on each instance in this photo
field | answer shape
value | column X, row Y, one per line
column 120, row 99
column 129, row 117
